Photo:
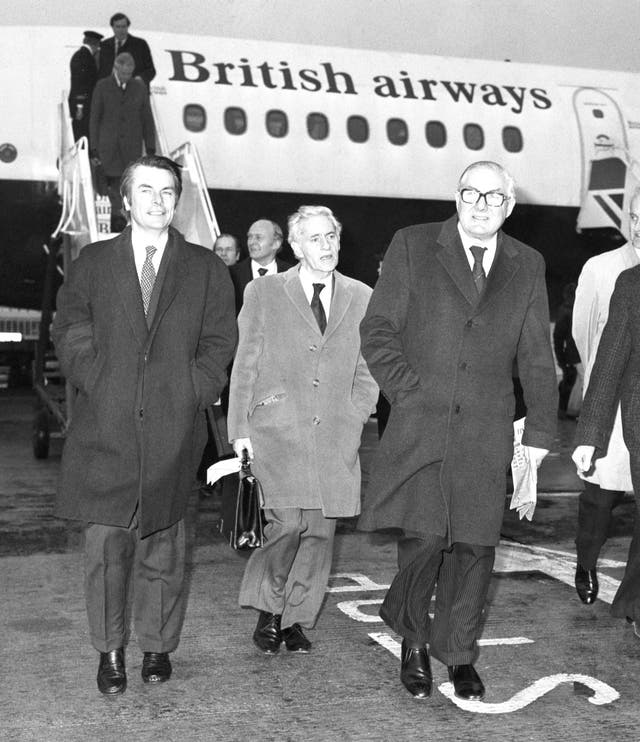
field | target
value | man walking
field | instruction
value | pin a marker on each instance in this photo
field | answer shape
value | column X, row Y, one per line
column 144, row 329
column 456, row 305
column 300, row 394
column 610, row 477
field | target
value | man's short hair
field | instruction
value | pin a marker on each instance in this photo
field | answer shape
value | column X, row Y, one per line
column 305, row 212
column 506, row 175
column 119, row 17
column 157, row 161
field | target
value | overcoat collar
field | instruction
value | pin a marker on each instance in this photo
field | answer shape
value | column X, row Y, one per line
column 340, row 300
column 170, row 275
column 505, row 264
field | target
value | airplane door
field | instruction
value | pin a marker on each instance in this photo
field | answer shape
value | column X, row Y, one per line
column 603, row 143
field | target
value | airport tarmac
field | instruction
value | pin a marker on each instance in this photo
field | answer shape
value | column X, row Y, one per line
column 554, row 669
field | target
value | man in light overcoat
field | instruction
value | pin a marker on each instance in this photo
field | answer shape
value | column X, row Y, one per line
column 610, row 477
column 144, row 330
column 300, row 393
column 456, row 305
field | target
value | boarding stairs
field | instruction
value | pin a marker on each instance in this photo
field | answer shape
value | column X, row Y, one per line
column 86, row 218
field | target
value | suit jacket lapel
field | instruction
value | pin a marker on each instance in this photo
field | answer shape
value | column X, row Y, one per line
column 170, row 276
column 298, row 298
column 127, row 285
column 455, row 261
column 340, row 301
column 505, row 266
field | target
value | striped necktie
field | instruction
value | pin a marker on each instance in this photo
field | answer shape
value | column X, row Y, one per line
column 147, row 277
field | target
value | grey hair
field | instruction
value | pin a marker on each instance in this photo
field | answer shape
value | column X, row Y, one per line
column 506, row 175
column 306, row 212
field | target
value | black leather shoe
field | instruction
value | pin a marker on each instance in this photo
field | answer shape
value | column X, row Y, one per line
column 415, row 670
column 112, row 677
column 466, row 682
column 268, row 634
column 295, row 640
column 156, row 667
column 586, row 584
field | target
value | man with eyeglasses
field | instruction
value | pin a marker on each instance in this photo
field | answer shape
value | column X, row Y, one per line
column 457, row 304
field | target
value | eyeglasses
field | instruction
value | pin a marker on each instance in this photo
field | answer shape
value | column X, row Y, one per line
column 491, row 198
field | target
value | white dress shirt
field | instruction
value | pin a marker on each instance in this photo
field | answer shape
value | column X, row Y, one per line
column 488, row 256
column 307, row 282
column 140, row 244
column 272, row 268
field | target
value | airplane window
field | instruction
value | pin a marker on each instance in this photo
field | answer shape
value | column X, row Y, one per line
column 512, row 139
column 397, row 131
column 597, row 113
column 277, row 123
column 194, row 117
column 358, row 129
column 436, row 134
column 473, row 136
column 317, row 126
column 235, row 120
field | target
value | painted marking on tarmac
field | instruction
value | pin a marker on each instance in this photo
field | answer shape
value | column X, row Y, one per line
column 351, row 608
column 602, row 694
column 393, row 645
column 510, row 557
column 361, row 582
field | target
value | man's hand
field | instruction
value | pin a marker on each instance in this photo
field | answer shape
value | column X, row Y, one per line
column 583, row 458
column 536, row 455
column 242, row 444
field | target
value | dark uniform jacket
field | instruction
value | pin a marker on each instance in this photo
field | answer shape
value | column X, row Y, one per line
column 143, row 383
column 444, row 359
column 84, row 75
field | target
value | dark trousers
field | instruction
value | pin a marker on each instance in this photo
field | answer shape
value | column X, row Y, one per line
column 127, row 574
column 460, row 574
column 289, row 574
column 594, row 517
column 626, row 603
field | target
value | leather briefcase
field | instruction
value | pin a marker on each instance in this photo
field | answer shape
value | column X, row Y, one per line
column 242, row 518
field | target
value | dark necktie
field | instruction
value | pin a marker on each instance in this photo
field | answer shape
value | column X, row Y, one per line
column 317, row 308
column 147, row 277
column 479, row 276
column 263, row 271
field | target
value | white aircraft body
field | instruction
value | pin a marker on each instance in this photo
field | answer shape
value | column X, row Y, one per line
column 284, row 118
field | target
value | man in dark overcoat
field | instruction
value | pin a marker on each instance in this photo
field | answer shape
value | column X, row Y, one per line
column 264, row 242
column 123, row 41
column 144, row 330
column 121, row 121
column 456, row 305
column 612, row 402
column 300, row 394
column 84, row 76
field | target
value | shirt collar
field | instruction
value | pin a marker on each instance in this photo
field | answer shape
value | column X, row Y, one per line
column 271, row 267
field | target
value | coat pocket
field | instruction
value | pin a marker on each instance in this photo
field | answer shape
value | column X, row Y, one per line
column 267, row 401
